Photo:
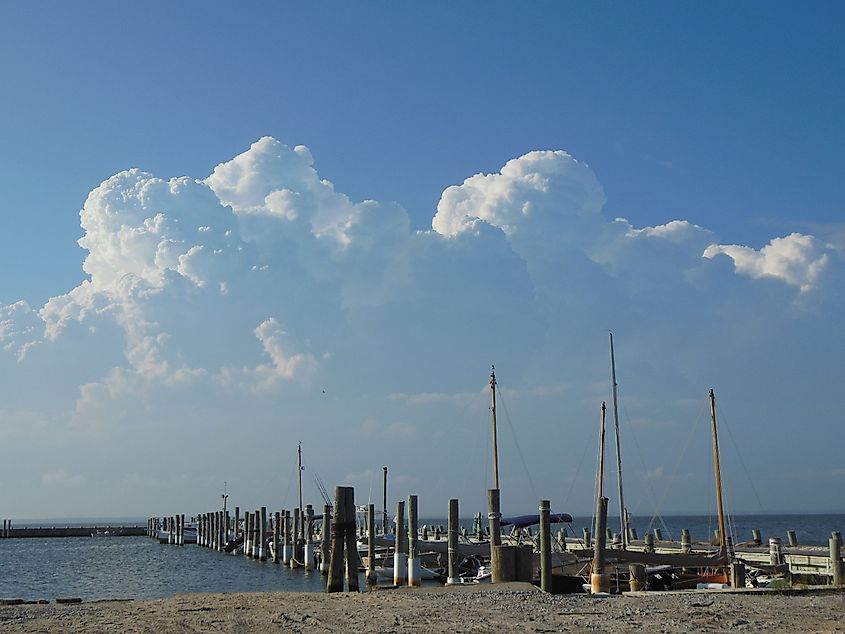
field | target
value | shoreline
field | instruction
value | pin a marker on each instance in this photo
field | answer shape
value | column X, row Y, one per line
column 511, row 607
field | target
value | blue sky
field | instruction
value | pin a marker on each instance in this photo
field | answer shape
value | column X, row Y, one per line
column 725, row 115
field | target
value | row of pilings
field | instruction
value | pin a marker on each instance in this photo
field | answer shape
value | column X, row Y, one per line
column 329, row 542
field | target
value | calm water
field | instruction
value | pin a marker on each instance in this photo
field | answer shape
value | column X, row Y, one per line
column 134, row 567
column 141, row 568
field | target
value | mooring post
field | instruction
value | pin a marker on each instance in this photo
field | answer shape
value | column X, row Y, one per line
column 632, row 534
column 325, row 540
column 637, row 577
column 237, row 524
column 276, row 519
column 649, row 543
column 792, row 538
column 494, row 517
column 452, row 541
column 545, row 546
column 287, row 551
column 775, row 554
column 686, row 542
column 352, row 559
column 588, row 539
column 308, row 551
column 400, row 547
column 737, row 574
column 413, row 560
column 335, row 580
column 182, row 530
column 658, row 535
column 247, row 534
column 262, row 535
column 371, row 544
column 756, row 536
column 599, row 581
column 835, row 544
column 227, row 522
column 221, row 530
column 294, row 560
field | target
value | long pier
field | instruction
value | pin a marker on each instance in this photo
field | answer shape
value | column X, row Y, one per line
column 73, row 531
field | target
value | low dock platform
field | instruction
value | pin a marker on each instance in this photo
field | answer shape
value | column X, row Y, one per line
column 74, row 531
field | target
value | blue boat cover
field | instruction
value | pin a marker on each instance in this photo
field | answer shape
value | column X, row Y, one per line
column 521, row 521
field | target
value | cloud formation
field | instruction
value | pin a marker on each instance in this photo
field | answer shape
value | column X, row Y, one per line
column 261, row 289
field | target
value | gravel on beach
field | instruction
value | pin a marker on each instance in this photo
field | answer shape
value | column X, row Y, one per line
column 517, row 608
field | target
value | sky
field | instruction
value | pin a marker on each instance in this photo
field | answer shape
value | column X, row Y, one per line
column 232, row 228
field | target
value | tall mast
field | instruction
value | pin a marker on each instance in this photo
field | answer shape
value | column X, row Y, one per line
column 495, row 439
column 723, row 543
column 600, row 491
column 299, row 462
column 623, row 520
column 601, row 452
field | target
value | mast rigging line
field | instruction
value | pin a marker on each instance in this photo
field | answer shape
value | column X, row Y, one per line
column 516, row 443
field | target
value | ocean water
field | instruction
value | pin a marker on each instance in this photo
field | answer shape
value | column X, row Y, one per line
column 134, row 568
column 141, row 568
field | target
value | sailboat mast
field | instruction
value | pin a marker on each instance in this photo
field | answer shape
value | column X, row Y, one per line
column 723, row 544
column 299, row 463
column 601, row 452
column 623, row 520
column 495, row 438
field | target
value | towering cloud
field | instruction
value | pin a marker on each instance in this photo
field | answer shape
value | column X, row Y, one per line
column 261, row 289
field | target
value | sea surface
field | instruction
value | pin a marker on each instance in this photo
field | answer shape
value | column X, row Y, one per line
column 141, row 568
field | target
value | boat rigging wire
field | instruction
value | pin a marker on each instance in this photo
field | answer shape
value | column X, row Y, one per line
column 648, row 486
column 681, row 455
column 516, row 443
column 741, row 461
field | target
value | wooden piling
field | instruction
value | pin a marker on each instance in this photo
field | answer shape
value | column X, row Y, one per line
column 262, row 535
column 792, row 538
column 277, row 517
column 835, row 544
column 756, row 536
column 325, row 540
column 352, row 559
column 686, row 541
column 308, row 549
column 226, row 526
column 247, row 534
column 452, row 532
column 287, row 550
column 632, row 534
column 494, row 516
column 371, row 545
column 737, row 575
column 400, row 549
column 637, row 577
column 658, row 535
column 295, row 560
column 588, row 540
column 413, row 560
column 335, row 580
column 545, row 547
column 599, row 581
column 237, row 523
column 775, row 553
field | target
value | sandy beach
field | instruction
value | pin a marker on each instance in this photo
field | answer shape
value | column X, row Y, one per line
column 515, row 608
